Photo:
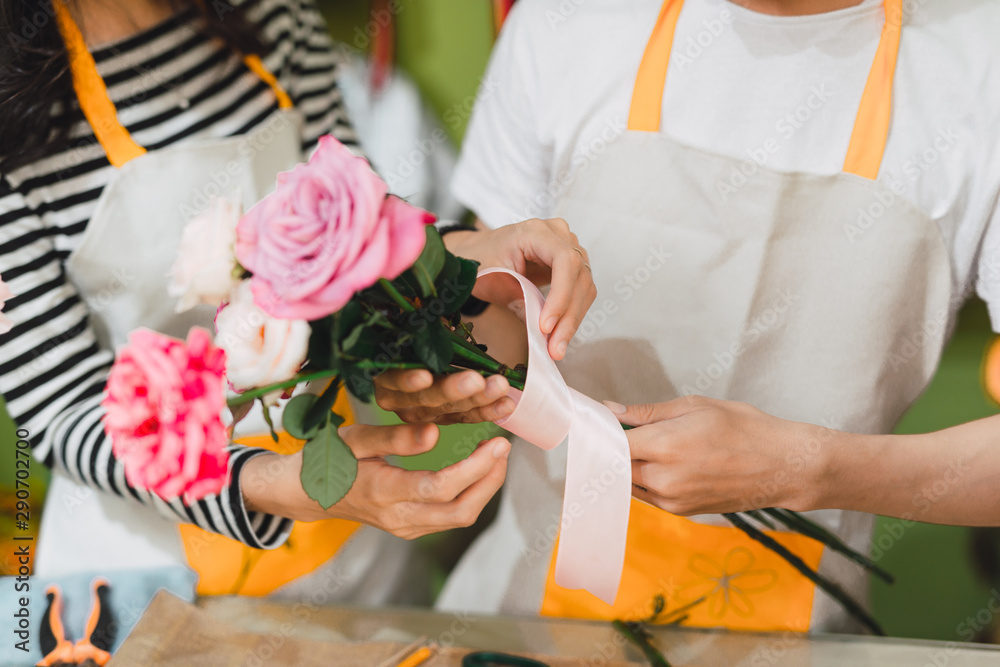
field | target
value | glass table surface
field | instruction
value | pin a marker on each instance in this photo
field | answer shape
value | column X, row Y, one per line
column 594, row 643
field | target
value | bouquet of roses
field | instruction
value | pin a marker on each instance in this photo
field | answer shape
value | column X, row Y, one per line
column 326, row 280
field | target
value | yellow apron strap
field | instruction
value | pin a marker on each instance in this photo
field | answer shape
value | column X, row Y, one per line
column 647, row 96
column 256, row 66
column 96, row 104
column 871, row 128
column 90, row 90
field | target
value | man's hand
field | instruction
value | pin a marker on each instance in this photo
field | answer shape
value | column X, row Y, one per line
column 547, row 253
column 697, row 455
column 408, row 504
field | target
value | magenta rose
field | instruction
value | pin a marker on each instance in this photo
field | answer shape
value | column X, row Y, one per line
column 327, row 231
column 164, row 403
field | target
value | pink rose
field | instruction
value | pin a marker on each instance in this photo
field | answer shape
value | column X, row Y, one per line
column 326, row 232
column 164, row 403
column 5, row 293
column 203, row 270
column 260, row 349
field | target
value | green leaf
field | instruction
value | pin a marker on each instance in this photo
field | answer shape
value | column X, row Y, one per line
column 348, row 317
column 329, row 467
column 360, row 383
column 320, row 347
column 449, row 271
column 454, row 286
column 352, row 339
column 463, row 285
column 431, row 341
column 268, row 420
column 319, row 411
column 431, row 261
column 293, row 418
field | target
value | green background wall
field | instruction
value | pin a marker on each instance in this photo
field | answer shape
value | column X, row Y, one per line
column 444, row 46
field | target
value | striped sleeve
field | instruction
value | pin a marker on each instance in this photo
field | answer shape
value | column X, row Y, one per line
column 313, row 69
column 52, row 377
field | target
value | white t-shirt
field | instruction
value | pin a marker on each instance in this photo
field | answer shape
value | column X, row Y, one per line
column 560, row 81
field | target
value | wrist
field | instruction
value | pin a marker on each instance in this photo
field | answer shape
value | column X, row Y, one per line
column 461, row 242
column 835, row 469
column 817, row 461
column 270, row 484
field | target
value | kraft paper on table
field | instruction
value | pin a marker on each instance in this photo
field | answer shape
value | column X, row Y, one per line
column 173, row 633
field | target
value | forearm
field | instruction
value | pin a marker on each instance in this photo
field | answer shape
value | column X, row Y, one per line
column 950, row 476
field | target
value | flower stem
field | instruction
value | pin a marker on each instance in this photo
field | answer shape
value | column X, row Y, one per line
column 256, row 393
column 482, row 361
column 641, row 639
column 394, row 294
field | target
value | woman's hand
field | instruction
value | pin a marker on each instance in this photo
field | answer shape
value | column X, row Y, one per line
column 408, row 504
column 697, row 455
column 547, row 253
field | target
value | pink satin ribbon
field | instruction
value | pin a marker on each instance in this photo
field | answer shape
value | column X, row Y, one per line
column 598, row 491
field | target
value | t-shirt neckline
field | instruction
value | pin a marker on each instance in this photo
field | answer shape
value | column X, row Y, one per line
column 745, row 15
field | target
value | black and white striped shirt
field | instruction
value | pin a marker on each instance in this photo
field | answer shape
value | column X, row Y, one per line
column 170, row 84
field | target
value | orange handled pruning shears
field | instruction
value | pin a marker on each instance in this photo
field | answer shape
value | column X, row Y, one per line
column 94, row 650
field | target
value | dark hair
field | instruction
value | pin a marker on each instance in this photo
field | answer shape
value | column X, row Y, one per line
column 36, row 87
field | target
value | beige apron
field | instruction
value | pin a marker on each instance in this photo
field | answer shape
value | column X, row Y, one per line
column 821, row 299
column 120, row 268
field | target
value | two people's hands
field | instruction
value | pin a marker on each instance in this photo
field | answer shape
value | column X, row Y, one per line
column 408, row 504
column 414, row 503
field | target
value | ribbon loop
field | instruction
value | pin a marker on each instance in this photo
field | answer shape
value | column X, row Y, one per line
column 597, row 497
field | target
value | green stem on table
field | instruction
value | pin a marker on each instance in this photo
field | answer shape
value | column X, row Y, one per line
column 809, row 528
column 761, row 518
column 395, row 295
column 831, row 589
column 641, row 639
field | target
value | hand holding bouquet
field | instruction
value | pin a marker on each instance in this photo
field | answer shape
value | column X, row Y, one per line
column 326, row 280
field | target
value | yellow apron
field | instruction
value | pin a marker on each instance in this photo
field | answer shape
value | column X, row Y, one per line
column 830, row 309
column 225, row 566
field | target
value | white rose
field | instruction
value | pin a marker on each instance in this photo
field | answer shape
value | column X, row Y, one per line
column 5, row 293
column 203, row 270
column 260, row 349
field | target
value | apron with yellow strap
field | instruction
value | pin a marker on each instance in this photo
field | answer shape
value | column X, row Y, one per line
column 779, row 294
column 122, row 263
